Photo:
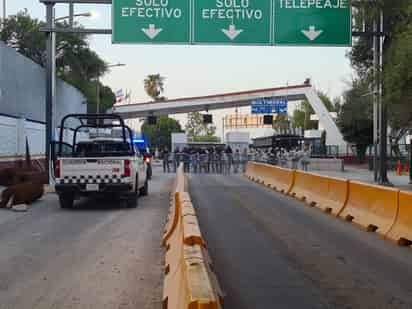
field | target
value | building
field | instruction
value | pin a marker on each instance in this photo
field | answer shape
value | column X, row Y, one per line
column 244, row 121
column 252, row 124
column 22, row 105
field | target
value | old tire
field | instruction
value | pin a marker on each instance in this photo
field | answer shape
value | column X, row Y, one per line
column 66, row 201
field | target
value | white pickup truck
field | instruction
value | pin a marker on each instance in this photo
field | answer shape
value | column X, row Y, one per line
column 99, row 163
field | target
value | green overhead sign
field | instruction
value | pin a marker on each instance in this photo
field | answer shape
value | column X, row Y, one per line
column 151, row 21
column 232, row 22
column 312, row 22
column 235, row 22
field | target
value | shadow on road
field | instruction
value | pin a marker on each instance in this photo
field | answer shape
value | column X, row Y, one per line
column 105, row 203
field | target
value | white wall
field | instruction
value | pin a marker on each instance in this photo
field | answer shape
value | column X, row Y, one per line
column 13, row 133
column 8, row 136
column 36, row 135
column 253, row 132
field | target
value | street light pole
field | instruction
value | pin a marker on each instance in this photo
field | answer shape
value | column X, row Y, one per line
column 4, row 14
column 71, row 14
column 98, row 86
column 71, row 17
column 376, row 117
column 383, row 115
column 98, row 95
column 50, row 84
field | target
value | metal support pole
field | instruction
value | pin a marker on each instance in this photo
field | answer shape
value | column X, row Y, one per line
column 71, row 14
column 97, row 96
column 410, row 161
column 50, row 84
column 4, row 14
column 375, row 104
column 383, row 177
column 223, row 129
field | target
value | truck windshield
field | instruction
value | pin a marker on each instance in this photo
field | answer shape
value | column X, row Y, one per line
column 102, row 149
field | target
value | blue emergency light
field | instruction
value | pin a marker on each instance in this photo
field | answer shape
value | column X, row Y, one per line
column 138, row 140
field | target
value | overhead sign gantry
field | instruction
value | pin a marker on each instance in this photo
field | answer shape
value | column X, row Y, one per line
column 234, row 22
column 237, row 99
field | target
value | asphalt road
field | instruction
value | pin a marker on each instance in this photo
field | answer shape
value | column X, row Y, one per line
column 95, row 256
column 271, row 251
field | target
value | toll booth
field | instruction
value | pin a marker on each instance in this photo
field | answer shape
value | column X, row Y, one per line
column 286, row 141
column 205, row 145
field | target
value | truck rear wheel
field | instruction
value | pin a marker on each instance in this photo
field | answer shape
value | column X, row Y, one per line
column 66, row 200
column 145, row 190
column 132, row 199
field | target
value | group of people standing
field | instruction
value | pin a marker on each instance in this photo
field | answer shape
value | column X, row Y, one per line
column 293, row 158
column 216, row 160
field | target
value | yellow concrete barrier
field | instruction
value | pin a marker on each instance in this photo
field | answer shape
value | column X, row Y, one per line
column 201, row 292
column 189, row 281
column 327, row 193
column 372, row 207
column 173, row 219
column 401, row 232
column 191, row 231
column 278, row 178
column 304, row 186
column 179, row 196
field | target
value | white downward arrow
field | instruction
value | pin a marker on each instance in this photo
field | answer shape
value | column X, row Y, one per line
column 152, row 32
column 232, row 33
column 312, row 34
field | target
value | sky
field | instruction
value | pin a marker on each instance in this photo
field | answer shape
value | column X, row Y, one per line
column 204, row 70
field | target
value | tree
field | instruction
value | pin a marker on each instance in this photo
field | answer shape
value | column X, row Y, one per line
column 207, row 139
column 397, row 52
column 355, row 118
column 160, row 134
column 76, row 63
column 281, row 122
column 154, row 86
column 301, row 115
column 107, row 97
column 196, row 127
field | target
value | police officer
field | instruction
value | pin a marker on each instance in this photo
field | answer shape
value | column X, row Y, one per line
column 165, row 156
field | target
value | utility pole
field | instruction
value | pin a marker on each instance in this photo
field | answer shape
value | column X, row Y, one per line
column 50, row 82
column 383, row 112
column 410, row 161
column 376, row 53
column 223, row 129
column 71, row 14
column 97, row 95
column 4, row 14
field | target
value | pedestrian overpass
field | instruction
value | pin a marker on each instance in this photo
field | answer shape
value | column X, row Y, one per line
column 237, row 99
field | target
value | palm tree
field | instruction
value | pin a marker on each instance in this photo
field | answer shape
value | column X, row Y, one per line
column 154, row 86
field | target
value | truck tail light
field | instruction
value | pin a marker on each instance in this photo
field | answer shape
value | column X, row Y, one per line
column 57, row 169
column 127, row 172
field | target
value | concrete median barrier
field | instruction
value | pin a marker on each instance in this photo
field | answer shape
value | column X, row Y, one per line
column 201, row 291
column 173, row 218
column 278, row 178
column 189, row 280
column 373, row 207
column 191, row 231
column 401, row 232
column 307, row 186
column 326, row 193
